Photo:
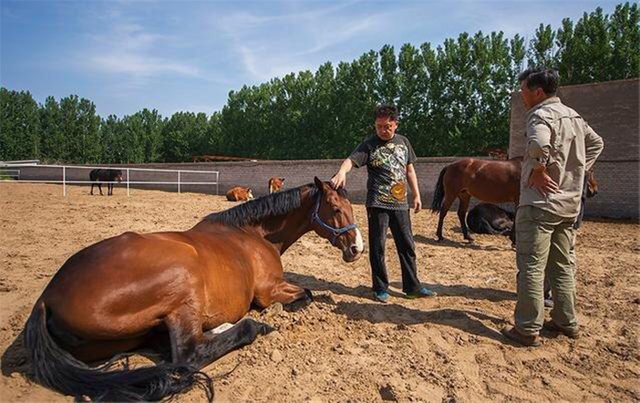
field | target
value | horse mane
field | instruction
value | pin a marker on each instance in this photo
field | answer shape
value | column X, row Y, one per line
column 256, row 211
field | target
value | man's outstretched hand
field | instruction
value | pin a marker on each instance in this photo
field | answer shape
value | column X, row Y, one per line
column 339, row 180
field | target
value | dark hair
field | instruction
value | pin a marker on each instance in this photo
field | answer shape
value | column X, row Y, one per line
column 541, row 77
column 387, row 110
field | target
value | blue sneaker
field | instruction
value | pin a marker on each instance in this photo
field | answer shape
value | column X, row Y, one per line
column 421, row 293
column 381, row 296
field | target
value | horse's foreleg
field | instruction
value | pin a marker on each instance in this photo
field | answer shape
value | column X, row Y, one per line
column 100, row 188
column 92, row 185
column 291, row 296
column 189, row 345
column 464, row 199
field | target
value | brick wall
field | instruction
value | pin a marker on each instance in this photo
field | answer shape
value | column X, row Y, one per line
column 611, row 108
column 618, row 180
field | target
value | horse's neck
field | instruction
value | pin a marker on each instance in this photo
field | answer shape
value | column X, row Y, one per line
column 284, row 231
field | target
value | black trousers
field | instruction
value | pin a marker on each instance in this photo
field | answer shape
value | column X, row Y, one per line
column 400, row 223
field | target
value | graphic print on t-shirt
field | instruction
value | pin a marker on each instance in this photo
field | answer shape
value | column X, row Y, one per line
column 393, row 157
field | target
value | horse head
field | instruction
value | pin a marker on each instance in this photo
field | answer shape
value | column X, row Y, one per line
column 118, row 175
column 333, row 219
column 592, row 184
column 275, row 184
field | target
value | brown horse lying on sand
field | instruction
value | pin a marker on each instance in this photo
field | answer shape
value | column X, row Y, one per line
column 488, row 180
column 239, row 193
column 112, row 296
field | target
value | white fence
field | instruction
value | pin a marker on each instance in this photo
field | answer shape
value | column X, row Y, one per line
column 70, row 176
column 10, row 173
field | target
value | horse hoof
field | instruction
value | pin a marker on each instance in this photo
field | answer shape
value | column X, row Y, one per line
column 308, row 294
column 264, row 329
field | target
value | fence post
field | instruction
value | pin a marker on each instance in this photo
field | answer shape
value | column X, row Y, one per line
column 128, row 172
column 217, row 181
column 178, row 182
column 64, row 181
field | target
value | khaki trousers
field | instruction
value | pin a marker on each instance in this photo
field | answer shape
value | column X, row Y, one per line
column 543, row 242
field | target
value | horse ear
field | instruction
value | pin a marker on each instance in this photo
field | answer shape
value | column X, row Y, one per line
column 319, row 184
column 282, row 179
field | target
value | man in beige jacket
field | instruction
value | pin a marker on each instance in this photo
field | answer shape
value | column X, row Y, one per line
column 560, row 148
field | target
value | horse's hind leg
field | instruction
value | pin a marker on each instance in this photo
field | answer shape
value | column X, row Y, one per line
column 464, row 199
column 100, row 188
column 92, row 185
column 444, row 209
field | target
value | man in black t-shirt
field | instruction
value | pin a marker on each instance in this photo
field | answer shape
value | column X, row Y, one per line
column 389, row 158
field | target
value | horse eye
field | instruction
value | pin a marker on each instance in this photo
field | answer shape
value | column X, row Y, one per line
column 336, row 210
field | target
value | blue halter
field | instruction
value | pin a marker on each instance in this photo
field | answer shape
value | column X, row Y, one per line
column 335, row 232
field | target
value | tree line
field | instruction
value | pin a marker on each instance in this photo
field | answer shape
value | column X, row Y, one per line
column 454, row 99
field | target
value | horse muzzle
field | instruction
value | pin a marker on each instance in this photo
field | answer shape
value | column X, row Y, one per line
column 350, row 256
column 354, row 251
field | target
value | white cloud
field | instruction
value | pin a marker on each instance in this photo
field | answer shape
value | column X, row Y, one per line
column 128, row 50
column 274, row 45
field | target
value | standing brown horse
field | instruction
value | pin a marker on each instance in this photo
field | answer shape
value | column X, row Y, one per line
column 111, row 297
column 490, row 181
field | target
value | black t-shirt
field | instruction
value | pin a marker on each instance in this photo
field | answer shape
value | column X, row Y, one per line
column 386, row 163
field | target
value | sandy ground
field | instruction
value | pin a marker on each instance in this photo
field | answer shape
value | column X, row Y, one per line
column 345, row 347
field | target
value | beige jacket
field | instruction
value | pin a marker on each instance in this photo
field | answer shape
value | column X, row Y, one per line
column 558, row 138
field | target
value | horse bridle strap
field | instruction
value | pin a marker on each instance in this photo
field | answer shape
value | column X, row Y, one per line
column 335, row 232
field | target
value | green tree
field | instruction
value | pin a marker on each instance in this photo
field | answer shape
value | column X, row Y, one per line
column 53, row 139
column 81, row 126
column 542, row 49
column 19, row 126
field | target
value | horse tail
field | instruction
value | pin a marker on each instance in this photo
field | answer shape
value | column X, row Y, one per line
column 58, row 369
column 438, row 192
column 93, row 175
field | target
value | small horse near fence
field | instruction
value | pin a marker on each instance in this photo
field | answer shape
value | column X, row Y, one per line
column 115, row 295
column 110, row 176
column 491, row 181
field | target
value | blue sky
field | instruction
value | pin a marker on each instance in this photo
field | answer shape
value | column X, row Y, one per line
column 187, row 55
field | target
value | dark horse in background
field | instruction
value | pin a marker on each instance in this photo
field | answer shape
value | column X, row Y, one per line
column 110, row 176
column 486, row 218
column 112, row 296
column 487, row 180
